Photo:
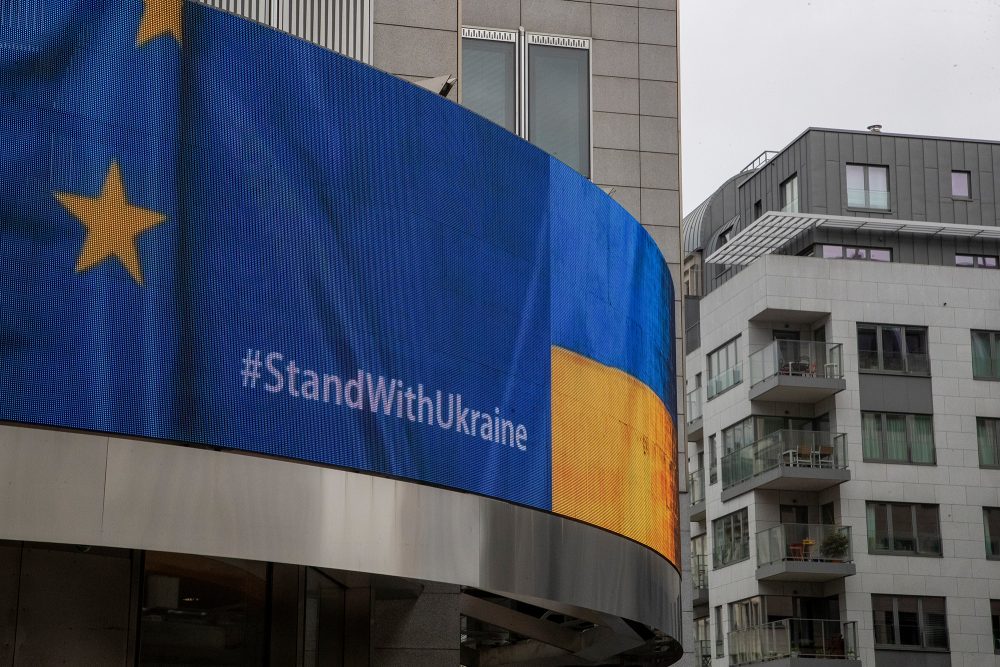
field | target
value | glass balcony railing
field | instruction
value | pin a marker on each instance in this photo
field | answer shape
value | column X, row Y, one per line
column 696, row 486
column 804, row 542
column 728, row 378
column 908, row 363
column 699, row 572
column 694, row 404
column 797, row 358
column 802, row 637
column 805, row 449
column 860, row 198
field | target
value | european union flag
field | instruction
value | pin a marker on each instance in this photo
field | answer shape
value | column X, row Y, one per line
column 88, row 201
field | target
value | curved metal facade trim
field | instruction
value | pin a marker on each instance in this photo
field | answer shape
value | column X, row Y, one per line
column 86, row 489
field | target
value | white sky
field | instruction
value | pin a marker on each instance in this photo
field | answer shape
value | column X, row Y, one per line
column 755, row 73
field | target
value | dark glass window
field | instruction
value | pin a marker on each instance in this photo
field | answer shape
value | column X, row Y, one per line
column 903, row 529
column 864, row 253
column 961, row 184
column 893, row 348
column 991, row 526
column 198, row 610
column 725, row 368
column 910, row 621
column 995, row 617
column 731, row 539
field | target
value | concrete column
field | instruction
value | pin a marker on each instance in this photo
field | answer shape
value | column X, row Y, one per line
column 418, row 632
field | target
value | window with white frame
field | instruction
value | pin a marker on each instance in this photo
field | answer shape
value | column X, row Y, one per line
column 868, row 186
column 537, row 86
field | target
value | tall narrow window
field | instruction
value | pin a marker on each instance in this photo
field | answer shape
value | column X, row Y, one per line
column 988, row 438
column 720, row 646
column 991, row 526
column 559, row 98
column 868, row 186
column 986, row 355
column 790, row 195
column 489, row 75
column 995, row 620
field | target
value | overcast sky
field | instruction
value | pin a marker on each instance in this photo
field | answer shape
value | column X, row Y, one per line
column 755, row 73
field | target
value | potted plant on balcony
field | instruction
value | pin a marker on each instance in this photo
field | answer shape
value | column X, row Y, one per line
column 835, row 545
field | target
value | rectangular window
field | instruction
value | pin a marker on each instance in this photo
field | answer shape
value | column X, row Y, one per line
column 977, row 261
column 720, row 646
column 893, row 348
column 713, row 463
column 986, row 355
column 731, row 539
column 725, row 368
column 961, row 184
column 910, row 621
column 868, row 186
column 903, row 529
column 988, row 438
column 995, row 618
column 559, row 98
column 790, row 195
column 489, row 75
column 991, row 526
column 897, row 438
column 538, row 87
column 833, row 251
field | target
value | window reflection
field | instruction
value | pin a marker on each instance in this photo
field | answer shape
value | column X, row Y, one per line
column 202, row 611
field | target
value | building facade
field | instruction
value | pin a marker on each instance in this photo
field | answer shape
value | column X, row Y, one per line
column 127, row 537
column 843, row 307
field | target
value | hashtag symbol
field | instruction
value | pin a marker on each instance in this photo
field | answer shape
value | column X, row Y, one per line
column 251, row 368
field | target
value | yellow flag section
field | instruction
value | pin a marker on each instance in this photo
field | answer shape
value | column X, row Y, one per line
column 613, row 453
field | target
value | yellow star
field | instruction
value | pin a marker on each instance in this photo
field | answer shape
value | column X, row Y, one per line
column 159, row 17
column 113, row 225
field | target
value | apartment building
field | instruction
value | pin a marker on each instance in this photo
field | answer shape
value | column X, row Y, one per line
column 843, row 404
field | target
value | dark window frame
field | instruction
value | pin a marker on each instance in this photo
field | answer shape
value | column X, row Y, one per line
column 873, row 506
column 987, row 424
column 819, row 250
column 867, row 206
column 910, row 422
column 968, row 184
column 735, row 551
column 988, row 538
column 977, row 261
column 918, row 367
column 993, row 341
column 924, row 627
column 995, row 619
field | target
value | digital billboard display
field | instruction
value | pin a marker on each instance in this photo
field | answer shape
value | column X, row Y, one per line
column 216, row 233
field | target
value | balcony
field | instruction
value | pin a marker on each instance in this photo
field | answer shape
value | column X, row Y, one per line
column 793, row 371
column 787, row 460
column 804, row 552
column 796, row 642
column 694, row 426
column 696, row 487
column 699, row 580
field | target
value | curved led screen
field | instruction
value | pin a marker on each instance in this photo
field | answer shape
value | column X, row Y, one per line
column 220, row 234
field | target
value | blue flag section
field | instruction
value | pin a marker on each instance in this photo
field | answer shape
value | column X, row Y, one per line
column 212, row 232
